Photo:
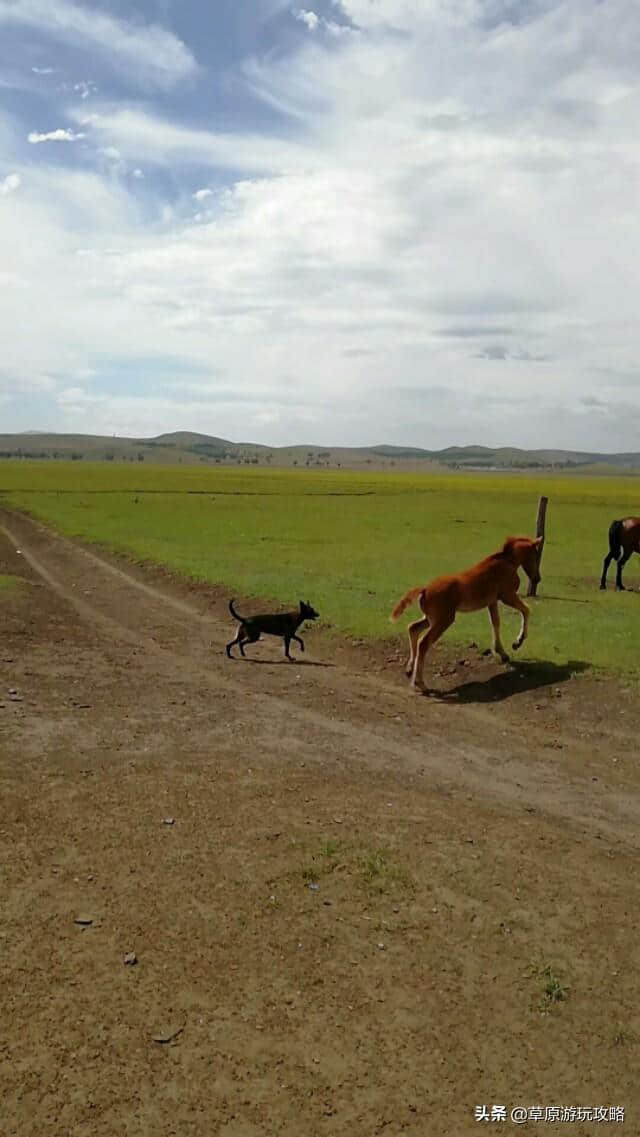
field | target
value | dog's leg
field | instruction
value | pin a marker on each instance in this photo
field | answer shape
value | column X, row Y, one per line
column 437, row 629
column 234, row 642
column 248, row 636
column 494, row 616
column 518, row 603
column 287, row 641
column 415, row 630
column 299, row 641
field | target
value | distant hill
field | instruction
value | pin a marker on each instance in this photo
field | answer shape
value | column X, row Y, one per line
column 191, row 447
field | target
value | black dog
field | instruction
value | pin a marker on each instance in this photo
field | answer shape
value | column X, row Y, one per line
column 283, row 624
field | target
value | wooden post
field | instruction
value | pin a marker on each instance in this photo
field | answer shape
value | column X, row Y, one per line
column 540, row 520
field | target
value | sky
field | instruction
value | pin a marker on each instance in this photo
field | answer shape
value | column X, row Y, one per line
column 358, row 222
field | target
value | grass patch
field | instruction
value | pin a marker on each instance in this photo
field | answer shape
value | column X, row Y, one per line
column 373, row 869
column 352, row 543
column 553, row 990
column 379, row 874
column 323, row 862
column 624, row 1037
column 9, row 583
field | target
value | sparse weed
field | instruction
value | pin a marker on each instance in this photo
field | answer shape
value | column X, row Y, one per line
column 624, row 1037
column 322, row 862
column 379, row 873
column 553, row 991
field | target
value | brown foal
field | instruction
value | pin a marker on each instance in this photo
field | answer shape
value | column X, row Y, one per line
column 482, row 586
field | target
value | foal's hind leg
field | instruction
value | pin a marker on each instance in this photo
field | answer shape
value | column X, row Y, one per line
column 415, row 631
column 494, row 616
column 518, row 603
column 437, row 629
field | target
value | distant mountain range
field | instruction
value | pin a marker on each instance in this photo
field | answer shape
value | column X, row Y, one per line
column 189, row 448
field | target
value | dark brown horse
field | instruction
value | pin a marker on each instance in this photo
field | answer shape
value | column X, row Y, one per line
column 624, row 539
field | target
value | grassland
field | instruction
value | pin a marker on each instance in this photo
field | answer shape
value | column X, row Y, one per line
column 352, row 543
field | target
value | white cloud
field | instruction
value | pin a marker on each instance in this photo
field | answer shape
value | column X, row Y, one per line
column 145, row 53
column 43, row 70
column 85, row 88
column 202, row 194
column 313, row 22
column 308, row 18
column 137, row 173
column 138, row 134
column 9, row 184
column 59, row 135
column 442, row 245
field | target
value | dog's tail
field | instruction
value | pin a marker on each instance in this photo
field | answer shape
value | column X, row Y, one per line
column 235, row 615
column 406, row 601
column 615, row 539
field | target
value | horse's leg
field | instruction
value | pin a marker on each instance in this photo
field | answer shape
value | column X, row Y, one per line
column 415, row 630
column 621, row 563
column 498, row 649
column 605, row 568
column 515, row 601
column 438, row 627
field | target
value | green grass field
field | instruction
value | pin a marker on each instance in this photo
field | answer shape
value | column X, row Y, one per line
column 353, row 543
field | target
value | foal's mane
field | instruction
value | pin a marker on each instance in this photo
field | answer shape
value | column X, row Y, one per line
column 508, row 549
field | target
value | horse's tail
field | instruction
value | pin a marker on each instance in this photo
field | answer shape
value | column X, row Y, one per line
column 235, row 615
column 615, row 539
column 406, row 601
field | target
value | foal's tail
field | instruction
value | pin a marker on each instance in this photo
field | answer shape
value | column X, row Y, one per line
column 615, row 539
column 406, row 601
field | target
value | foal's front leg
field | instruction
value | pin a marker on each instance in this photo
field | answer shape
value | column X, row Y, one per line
column 515, row 601
column 498, row 649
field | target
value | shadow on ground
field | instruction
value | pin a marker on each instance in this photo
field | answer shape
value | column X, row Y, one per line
column 521, row 677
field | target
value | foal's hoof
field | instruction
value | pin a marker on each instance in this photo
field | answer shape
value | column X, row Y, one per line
column 504, row 658
column 620, row 588
column 517, row 645
column 603, row 588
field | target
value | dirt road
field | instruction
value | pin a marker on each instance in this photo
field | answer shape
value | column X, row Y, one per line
column 362, row 895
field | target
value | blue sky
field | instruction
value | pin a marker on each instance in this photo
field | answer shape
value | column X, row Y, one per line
column 350, row 222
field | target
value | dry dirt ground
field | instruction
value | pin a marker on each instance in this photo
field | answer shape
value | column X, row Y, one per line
column 371, row 911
